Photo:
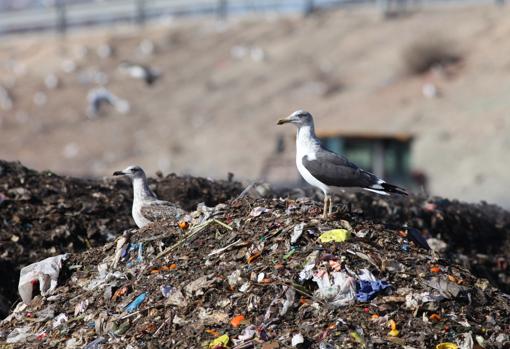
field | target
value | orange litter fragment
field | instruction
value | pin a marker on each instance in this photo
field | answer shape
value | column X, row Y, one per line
column 121, row 292
column 456, row 280
column 304, row 300
column 164, row 268
column 253, row 257
column 183, row 225
column 237, row 320
column 435, row 269
column 213, row 332
column 435, row 317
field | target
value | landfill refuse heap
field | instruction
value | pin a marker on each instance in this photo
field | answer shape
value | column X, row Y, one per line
column 43, row 214
column 262, row 273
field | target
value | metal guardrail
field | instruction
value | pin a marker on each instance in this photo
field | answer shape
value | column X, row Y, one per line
column 66, row 15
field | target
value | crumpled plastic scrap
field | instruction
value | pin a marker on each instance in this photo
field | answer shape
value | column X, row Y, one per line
column 96, row 343
column 18, row 335
column 367, row 290
column 307, row 271
column 45, row 271
column 220, row 342
column 131, row 307
column 339, row 293
column 367, row 287
column 335, row 235
column 445, row 287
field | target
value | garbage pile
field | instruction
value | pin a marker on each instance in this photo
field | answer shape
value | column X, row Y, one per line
column 258, row 273
column 476, row 236
column 43, row 214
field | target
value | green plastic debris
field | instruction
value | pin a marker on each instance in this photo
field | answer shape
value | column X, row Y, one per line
column 220, row 342
column 289, row 254
column 335, row 235
column 358, row 339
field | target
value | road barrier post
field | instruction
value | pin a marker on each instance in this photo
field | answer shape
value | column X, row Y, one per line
column 222, row 9
column 61, row 24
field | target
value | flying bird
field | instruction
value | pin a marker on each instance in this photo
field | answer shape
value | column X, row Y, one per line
column 140, row 71
column 326, row 170
column 99, row 97
column 146, row 206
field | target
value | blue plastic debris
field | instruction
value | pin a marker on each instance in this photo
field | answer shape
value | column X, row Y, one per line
column 405, row 246
column 166, row 290
column 366, row 290
column 136, row 248
column 131, row 307
column 139, row 258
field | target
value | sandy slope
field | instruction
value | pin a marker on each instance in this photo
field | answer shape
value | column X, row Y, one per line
column 210, row 111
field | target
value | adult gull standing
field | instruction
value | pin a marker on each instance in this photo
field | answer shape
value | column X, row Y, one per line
column 326, row 170
column 146, row 206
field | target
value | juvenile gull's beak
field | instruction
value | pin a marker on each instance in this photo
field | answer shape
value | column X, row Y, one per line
column 283, row 121
column 118, row 173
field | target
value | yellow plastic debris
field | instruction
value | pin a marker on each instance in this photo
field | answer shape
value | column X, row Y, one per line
column 220, row 342
column 447, row 345
column 335, row 235
column 394, row 332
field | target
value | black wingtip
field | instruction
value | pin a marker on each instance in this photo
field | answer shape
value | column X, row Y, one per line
column 393, row 189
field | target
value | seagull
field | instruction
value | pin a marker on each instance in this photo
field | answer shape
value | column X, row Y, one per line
column 326, row 170
column 98, row 97
column 146, row 206
column 140, row 71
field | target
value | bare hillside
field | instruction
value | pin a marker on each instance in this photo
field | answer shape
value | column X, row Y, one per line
column 225, row 84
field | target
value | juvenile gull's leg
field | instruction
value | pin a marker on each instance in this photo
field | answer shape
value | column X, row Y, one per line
column 330, row 206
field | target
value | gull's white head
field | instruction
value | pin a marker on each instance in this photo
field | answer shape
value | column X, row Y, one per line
column 131, row 172
column 298, row 118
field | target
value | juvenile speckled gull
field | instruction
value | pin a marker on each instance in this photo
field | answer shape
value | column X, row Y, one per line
column 146, row 206
column 326, row 170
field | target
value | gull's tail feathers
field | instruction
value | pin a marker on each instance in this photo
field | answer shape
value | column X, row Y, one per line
column 383, row 188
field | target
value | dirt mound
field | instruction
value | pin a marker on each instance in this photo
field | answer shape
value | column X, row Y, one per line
column 263, row 273
column 44, row 214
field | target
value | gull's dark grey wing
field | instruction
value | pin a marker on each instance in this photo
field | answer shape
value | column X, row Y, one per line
column 335, row 170
column 157, row 210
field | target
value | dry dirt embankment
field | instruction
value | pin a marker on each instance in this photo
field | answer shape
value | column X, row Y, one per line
column 224, row 85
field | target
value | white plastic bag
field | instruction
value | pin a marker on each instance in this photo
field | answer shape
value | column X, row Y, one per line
column 45, row 271
column 20, row 335
column 339, row 293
